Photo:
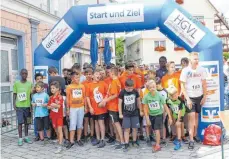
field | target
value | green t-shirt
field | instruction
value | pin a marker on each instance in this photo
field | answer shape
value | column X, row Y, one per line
column 176, row 106
column 155, row 103
column 23, row 91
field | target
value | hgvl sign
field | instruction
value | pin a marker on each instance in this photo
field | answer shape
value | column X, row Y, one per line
column 57, row 36
column 189, row 32
column 115, row 14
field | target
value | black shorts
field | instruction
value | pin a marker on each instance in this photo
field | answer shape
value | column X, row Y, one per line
column 130, row 122
column 65, row 122
column 87, row 115
column 156, row 122
column 23, row 115
column 42, row 123
column 114, row 116
column 100, row 116
column 196, row 107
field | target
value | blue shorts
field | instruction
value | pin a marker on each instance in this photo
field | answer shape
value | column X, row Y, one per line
column 23, row 115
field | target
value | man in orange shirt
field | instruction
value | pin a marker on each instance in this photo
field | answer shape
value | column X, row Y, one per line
column 75, row 108
column 96, row 93
column 88, row 74
column 112, row 105
column 129, row 74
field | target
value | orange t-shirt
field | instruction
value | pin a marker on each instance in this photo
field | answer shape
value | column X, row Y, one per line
column 171, row 79
column 113, row 89
column 141, row 75
column 108, row 80
column 75, row 95
column 97, row 92
column 134, row 77
column 86, row 83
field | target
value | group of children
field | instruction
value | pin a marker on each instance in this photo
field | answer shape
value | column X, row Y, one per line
column 104, row 102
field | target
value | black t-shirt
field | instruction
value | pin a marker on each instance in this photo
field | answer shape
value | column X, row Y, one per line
column 60, row 80
column 129, row 102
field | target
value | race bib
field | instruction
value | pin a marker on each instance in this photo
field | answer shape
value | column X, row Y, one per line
column 175, row 109
column 196, row 87
column 98, row 97
column 154, row 105
column 55, row 110
column 77, row 93
column 129, row 99
column 21, row 96
column 129, row 107
column 39, row 101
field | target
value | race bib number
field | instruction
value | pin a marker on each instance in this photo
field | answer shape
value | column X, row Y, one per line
column 55, row 110
column 129, row 99
column 154, row 105
column 196, row 87
column 98, row 97
column 77, row 93
column 21, row 96
column 39, row 101
column 129, row 108
column 175, row 109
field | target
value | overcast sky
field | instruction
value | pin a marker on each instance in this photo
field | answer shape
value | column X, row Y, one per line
column 222, row 5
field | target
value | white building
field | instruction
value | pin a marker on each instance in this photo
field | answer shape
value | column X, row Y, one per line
column 147, row 46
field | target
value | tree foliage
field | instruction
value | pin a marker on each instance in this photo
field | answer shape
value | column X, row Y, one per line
column 226, row 55
column 119, row 50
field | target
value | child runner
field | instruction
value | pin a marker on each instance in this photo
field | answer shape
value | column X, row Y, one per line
column 38, row 78
column 96, row 92
column 21, row 102
column 56, row 115
column 177, row 106
column 88, row 74
column 129, row 105
column 112, row 105
column 156, row 104
column 151, row 74
column 39, row 102
column 75, row 108
column 144, row 91
column 163, row 92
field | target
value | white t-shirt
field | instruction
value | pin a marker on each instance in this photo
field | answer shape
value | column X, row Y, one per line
column 193, row 80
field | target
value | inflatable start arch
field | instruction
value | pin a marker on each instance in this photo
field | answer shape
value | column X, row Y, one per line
column 172, row 20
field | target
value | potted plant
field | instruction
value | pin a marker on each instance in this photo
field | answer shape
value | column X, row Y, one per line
column 180, row 1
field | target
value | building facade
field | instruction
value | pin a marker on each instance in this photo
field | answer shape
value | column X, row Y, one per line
column 24, row 24
column 147, row 47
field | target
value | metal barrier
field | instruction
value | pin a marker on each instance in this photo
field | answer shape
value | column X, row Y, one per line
column 8, row 114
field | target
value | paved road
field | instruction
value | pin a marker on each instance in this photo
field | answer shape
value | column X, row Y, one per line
column 10, row 150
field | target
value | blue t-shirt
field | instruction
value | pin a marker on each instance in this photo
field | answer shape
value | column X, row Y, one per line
column 39, row 99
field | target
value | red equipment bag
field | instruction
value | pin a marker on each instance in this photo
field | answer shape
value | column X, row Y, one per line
column 212, row 135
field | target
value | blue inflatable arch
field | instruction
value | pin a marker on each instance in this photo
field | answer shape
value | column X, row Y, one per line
column 171, row 19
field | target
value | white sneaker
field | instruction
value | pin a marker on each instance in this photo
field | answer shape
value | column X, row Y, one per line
column 59, row 149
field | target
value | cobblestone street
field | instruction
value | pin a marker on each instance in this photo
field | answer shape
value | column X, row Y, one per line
column 10, row 150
